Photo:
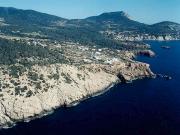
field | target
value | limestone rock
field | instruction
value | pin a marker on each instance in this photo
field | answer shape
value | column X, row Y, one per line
column 46, row 88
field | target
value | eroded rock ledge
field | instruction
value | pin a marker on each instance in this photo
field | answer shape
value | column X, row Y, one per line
column 46, row 88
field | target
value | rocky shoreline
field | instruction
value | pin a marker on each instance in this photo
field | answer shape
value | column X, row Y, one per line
column 104, row 78
column 92, row 95
column 45, row 113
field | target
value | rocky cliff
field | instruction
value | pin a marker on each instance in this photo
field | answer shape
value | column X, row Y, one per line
column 45, row 88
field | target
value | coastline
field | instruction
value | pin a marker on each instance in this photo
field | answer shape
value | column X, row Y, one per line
column 145, row 95
column 73, row 104
column 49, row 112
column 92, row 95
column 106, row 78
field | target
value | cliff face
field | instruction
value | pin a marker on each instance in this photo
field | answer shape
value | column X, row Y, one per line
column 59, row 85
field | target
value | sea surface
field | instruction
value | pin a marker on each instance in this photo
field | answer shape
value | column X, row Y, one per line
column 144, row 107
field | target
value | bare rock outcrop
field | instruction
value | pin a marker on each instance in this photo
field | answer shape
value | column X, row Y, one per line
column 45, row 88
column 147, row 53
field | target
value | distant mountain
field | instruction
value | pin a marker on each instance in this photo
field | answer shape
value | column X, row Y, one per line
column 112, row 20
column 111, row 16
column 167, row 24
column 121, row 21
column 109, row 26
column 116, row 21
column 15, row 16
column 166, row 27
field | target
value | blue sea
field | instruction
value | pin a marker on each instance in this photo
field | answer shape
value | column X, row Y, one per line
column 144, row 107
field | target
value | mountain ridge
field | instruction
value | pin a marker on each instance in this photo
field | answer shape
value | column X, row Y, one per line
column 110, row 25
column 106, row 15
column 122, row 13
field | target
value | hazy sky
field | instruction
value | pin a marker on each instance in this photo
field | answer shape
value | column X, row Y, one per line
column 147, row 11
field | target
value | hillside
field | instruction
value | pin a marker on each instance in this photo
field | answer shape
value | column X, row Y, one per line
column 20, row 17
column 91, row 30
column 47, row 62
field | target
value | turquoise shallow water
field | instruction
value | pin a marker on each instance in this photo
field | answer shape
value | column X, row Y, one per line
column 144, row 107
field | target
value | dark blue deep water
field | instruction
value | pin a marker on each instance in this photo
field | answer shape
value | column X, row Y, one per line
column 145, row 107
